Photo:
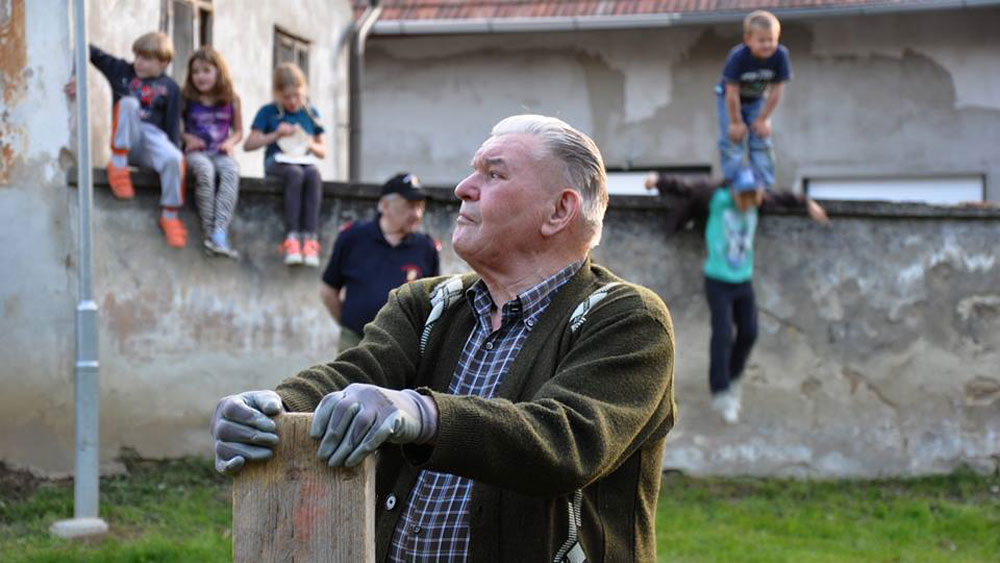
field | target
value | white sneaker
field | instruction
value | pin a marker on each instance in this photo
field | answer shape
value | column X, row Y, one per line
column 736, row 388
column 727, row 404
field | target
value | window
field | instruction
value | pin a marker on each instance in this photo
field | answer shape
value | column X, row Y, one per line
column 179, row 20
column 939, row 190
column 631, row 181
column 289, row 48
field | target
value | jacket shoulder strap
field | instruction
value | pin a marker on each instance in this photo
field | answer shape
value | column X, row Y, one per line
column 443, row 296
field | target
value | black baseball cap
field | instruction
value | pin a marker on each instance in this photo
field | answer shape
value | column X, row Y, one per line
column 406, row 185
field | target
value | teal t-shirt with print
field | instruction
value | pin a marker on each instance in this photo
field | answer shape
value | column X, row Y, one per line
column 729, row 239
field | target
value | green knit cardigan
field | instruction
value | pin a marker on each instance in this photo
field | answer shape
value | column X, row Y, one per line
column 578, row 423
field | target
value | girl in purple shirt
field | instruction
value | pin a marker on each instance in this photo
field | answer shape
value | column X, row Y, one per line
column 213, row 124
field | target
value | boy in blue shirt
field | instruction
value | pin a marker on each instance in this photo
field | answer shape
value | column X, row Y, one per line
column 731, row 207
column 744, row 114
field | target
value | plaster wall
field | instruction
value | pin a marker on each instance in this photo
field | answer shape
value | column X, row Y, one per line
column 38, row 281
column 38, row 214
column 878, row 352
column 881, row 360
column 885, row 95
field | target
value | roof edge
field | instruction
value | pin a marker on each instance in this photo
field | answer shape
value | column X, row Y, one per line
column 647, row 21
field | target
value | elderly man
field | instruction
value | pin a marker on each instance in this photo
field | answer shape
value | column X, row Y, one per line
column 371, row 258
column 520, row 411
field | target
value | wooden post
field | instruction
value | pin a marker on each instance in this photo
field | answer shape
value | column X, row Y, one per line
column 295, row 508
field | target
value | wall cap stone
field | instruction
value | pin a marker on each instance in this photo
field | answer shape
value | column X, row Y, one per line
column 146, row 179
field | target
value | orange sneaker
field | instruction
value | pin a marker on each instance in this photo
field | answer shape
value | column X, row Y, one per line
column 310, row 252
column 174, row 232
column 292, row 251
column 120, row 182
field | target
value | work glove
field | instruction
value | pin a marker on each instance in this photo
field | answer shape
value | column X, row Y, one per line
column 243, row 429
column 354, row 422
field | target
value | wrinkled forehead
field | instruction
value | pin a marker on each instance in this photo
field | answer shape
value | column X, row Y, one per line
column 513, row 150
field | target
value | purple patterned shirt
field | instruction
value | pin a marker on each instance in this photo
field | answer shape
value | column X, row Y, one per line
column 434, row 525
column 209, row 123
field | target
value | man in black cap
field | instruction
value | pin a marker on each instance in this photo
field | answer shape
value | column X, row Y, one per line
column 372, row 258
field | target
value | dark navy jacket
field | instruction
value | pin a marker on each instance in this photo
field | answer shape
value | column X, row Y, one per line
column 159, row 98
column 369, row 267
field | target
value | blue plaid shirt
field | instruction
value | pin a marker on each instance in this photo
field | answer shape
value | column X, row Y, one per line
column 435, row 523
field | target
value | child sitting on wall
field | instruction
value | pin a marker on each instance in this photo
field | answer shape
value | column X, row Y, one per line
column 213, row 124
column 291, row 130
column 145, row 125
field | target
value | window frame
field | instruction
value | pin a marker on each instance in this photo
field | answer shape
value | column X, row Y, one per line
column 299, row 46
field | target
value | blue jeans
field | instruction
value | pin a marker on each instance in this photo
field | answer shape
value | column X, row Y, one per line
column 731, row 154
column 730, row 303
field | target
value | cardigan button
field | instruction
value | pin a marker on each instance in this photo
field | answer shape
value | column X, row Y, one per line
column 390, row 501
column 489, row 345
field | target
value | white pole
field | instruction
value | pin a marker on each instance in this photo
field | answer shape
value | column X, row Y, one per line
column 85, row 521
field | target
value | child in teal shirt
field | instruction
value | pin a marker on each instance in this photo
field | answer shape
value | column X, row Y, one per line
column 732, row 210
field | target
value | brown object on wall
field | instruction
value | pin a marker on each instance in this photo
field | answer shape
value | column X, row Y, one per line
column 294, row 507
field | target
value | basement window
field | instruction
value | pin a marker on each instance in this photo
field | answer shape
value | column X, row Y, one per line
column 934, row 189
column 631, row 180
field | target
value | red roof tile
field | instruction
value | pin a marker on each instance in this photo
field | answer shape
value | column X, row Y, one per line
column 472, row 9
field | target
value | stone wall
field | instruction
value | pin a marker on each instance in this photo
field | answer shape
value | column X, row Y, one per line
column 878, row 351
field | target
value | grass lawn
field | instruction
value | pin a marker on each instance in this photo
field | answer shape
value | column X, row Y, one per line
column 180, row 511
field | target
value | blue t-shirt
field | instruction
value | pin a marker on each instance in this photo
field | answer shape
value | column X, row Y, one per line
column 369, row 267
column 269, row 116
column 729, row 239
column 753, row 74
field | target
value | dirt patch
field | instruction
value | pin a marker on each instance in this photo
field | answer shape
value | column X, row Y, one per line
column 16, row 484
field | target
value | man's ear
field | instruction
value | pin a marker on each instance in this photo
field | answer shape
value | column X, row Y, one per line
column 565, row 209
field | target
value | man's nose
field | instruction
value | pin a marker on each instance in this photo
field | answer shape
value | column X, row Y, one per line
column 466, row 188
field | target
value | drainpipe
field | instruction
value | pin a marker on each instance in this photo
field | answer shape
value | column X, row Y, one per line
column 85, row 521
column 359, row 36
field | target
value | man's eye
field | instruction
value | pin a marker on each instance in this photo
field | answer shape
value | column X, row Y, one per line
column 494, row 174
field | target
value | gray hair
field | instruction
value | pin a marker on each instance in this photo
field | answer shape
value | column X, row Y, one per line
column 583, row 166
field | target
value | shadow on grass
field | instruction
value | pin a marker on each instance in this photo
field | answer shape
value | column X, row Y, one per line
column 180, row 511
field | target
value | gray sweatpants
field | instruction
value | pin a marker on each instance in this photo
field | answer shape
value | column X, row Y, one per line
column 149, row 146
column 215, row 205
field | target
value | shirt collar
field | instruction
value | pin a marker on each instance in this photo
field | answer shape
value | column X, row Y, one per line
column 529, row 304
column 380, row 236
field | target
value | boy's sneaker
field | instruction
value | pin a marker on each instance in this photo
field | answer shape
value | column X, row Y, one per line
column 727, row 404
column 310, row 252
column 292, row 250
column 174, row 232
column 120, row 181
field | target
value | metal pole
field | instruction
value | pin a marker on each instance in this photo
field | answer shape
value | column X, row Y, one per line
column 87, row 407
column 355, row 77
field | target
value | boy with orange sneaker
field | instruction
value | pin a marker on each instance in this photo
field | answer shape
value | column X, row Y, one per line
column 145, row 125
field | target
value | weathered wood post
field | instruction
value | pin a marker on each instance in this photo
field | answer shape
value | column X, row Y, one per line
column 294, row 508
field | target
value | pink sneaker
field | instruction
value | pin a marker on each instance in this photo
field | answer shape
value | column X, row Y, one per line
column 292, row 251
column 310, row 252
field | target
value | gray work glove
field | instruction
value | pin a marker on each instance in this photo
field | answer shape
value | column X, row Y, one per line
column 243, row 429
column 354, row 422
